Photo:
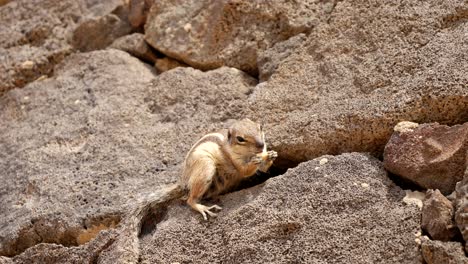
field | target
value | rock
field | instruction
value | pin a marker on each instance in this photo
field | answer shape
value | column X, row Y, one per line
column 431, row 155
column 136, row 45
column 103, row 131
column 37, row 31
column 98, row 33
column 461, row 206
column 437, row 252
column 209, row 34
column 297, row 217
column 138, row 11
column 437, row 216
column 269, row 60
column 166, row 63
column 354, row 78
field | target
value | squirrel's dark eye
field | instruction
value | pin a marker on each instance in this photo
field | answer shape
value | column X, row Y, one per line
column 240, row 139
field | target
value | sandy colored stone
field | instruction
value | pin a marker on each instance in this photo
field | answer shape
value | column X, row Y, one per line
column 431, row 155
column 303, row 216
column 437, row 252
column 357, row 76
column 437, row 217
column 136, row 45
column 461, row 207
column 38, row 31
column 98, row 33
column 103, row 131
column 138, row 12
column 208, row 34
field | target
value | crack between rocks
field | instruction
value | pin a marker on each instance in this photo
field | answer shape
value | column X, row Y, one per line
column 67, row 238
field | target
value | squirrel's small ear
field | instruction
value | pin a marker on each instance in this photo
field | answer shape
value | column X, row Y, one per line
column 229, row 135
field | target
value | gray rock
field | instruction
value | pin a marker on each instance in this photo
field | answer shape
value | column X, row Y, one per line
column 138, row 12
column 431, row 155
column 270, row 59
column 344, row 211
column 136, row 45
column 76, row 148
column 437, row 252
column 98, row 33
column 208, row 34
column 36, row 32
column 461, row 206
column 437, row 216
column 355, row 77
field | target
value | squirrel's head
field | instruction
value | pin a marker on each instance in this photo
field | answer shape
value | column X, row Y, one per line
column 246, row 137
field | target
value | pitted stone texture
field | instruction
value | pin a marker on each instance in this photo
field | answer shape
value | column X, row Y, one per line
column 210, row 33
column 36, row 32
column 354, row 78
column 99, row 33
column 105, row 130
column 269, row 60
column 431, row 155
column 437, row 252
column 461, row 206
column 437, row 216
column 344, row 211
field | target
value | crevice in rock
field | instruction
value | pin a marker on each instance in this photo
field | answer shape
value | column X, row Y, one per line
column 152, row 219
column 279, row 167
column 44, row 230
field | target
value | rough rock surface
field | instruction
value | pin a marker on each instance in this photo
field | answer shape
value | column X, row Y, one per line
column 34, row 36
column 371, row 66
column 208, row 34
column 437, row 252
column 269, row 60
column 344, row 211
column 98, row 33
column 461, row 206
column 102, row 129
column 77, row 147
column 138, row 11
column 437, row 216
column 136, row 45
column 431, row 155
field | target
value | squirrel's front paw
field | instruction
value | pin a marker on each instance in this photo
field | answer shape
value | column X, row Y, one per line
column 272, row 155
column 257, row 159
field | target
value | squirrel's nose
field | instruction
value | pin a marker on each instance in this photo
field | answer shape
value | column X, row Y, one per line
column 259, row 144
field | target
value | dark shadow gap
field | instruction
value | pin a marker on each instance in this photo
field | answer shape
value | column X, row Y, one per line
column 279, row 167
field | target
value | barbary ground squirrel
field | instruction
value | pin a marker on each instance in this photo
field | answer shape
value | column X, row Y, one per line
column 214, row 165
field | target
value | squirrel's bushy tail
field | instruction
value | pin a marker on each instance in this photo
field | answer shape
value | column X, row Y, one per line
column 151, row 202
column 127, row 245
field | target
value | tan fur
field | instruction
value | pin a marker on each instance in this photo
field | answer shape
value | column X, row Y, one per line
column 215, row 164
column 219, row 161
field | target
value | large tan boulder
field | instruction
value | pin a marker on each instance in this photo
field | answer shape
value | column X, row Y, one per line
column 431, row 155
column 210, row 33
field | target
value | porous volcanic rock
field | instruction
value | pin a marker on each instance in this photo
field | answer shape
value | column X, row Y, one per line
column 437, row 252
column 371, row 66
column 98, row 33
column 344, row 211
column 136, row 45
column 76, row 148
column 208, row 34
column 430, row 155
column 437, row 216
column 138, row 10
column 34, row 36
column 461, row 207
